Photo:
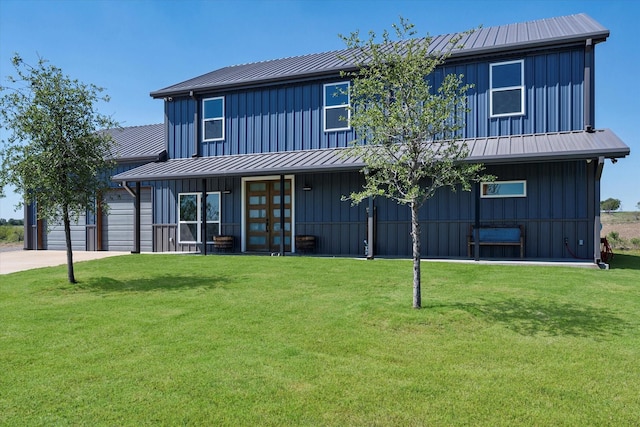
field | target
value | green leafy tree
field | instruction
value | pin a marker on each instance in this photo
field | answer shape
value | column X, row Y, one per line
column 54, row 154
column 408, row 130
column 610, row 205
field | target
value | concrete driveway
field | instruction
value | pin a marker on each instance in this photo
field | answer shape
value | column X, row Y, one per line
column 20, row 260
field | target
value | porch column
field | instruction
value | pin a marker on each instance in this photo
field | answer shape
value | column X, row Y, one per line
column 203, row 224
column 476, row 227
column 136, row 220
column 282, row 218
column 370, row 230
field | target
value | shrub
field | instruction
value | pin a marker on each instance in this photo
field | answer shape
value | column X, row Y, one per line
column 11, row 233
column 616, row 241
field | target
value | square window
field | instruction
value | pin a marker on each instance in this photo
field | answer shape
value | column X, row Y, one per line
column 336, row 107
column 507, row 88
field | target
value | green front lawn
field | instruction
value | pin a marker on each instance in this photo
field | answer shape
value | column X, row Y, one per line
column 242, row 340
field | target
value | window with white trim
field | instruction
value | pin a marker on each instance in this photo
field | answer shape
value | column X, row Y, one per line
column 337, row 114
column 213, row 119
column 507, row 88
column 497, row 189
column 190, row 217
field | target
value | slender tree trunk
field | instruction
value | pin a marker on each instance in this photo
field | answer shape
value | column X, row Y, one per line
column 415, row 237
column 67, row 235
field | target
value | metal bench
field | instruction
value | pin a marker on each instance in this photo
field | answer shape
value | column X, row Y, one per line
column 497, row 236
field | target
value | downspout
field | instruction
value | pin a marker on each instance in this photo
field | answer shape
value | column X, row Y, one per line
column 589, row 80
column 136, row 220
column 597, row 226
column 196, row 125
column 136, row 215
column 129, row 190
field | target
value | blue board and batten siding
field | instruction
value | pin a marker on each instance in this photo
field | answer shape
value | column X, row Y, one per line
column 289, row 117
column 285, row 118
column 556, row 207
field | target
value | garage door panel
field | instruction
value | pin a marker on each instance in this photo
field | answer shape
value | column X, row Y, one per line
column 117, row 226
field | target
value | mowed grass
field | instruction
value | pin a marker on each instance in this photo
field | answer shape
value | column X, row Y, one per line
column 242, row 340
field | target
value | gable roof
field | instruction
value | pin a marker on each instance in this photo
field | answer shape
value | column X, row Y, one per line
column 493, row 150
column 139, row 143
column 527, row 35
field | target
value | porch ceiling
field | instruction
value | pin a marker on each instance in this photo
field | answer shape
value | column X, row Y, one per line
column 493, row 150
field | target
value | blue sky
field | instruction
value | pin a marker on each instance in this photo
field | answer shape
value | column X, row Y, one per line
column 133, row 47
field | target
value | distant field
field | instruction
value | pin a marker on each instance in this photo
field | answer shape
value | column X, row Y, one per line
column 11, row 234
column 626, row 224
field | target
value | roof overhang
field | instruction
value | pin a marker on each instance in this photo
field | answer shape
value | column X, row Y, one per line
column 535, row 148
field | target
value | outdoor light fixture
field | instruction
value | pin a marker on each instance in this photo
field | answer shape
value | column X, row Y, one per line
column 226, row 191
column 306, row 187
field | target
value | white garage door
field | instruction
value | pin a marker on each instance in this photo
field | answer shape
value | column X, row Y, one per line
column 56, row 240
column 117, row 226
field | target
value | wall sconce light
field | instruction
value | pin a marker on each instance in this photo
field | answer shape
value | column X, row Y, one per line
column 306, row 187
column 226, row 191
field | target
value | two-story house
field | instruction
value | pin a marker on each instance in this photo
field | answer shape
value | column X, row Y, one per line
column 254, row 152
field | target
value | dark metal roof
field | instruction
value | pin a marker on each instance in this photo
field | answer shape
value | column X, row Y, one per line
column 139, row 143
column 506, row 149
column 547, row 146
column 504, row 38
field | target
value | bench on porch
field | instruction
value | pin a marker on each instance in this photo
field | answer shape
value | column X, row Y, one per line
column 493, row 235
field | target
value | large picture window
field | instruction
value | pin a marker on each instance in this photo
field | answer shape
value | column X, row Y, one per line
column 507, row 88
column 336, row 107
column 213, row 119
column 190, row 217
column 497, row 189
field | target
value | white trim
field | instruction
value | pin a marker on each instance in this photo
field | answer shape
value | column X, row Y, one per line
column 243, row 207
column 521, row 87
column 502, row 196
column 197, row 221
column 325, row 107
column 219, row 221
column 223, row 117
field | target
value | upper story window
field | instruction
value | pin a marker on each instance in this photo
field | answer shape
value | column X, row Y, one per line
column 507, row 88
column 336, row 107
column 213, row 119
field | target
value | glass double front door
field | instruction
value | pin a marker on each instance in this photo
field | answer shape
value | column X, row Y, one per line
column 264, row 213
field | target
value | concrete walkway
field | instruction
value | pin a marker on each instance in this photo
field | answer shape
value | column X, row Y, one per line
column 20, row 260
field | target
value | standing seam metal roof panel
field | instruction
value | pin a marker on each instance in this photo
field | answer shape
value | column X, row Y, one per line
column 134, row 143
column 494, row 150
column 547, row 32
